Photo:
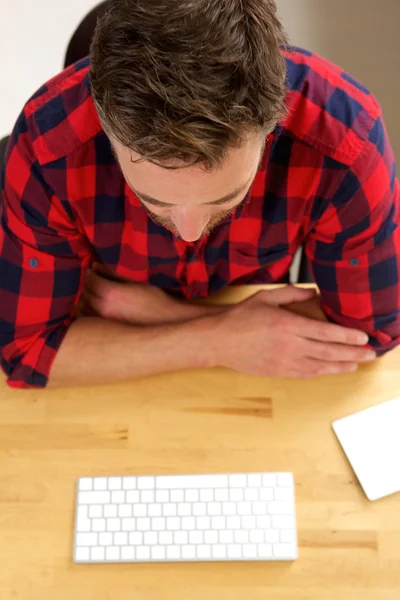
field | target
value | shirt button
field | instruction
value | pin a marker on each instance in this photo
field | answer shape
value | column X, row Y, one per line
column 354, row 262
column 33, row 262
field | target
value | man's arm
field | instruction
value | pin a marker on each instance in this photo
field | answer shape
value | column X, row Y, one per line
column 98, row 351
column 354, row 247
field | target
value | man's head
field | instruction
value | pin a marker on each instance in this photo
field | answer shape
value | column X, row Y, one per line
column 187, row 91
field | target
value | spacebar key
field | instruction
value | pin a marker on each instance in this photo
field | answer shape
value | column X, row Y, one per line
column 181, row 482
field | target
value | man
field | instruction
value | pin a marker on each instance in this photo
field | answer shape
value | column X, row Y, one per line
column 195, row 150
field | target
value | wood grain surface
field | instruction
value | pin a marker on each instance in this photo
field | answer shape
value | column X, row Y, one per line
column 193, row 422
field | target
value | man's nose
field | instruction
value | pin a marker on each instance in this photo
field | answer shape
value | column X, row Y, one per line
column 190, row 222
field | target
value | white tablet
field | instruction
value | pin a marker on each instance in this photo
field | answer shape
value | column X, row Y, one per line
column 371, row 441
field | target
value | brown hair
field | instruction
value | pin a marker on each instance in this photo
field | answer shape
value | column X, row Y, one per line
column 187, row 79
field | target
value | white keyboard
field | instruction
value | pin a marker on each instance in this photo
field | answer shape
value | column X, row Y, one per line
column 230, row 517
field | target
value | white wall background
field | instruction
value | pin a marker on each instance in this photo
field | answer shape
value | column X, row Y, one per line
column 359, row 35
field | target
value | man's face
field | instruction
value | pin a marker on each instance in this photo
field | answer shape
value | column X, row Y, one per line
column 190, row 202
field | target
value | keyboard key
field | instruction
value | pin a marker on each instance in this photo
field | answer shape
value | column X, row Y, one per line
column 207, row 495
column 248, row 522
column 169, row 510
column 125, row 510
column 254, row 480
column 214, row 508
column 173, row 523
column 203, row 523
column 263, row 522
column 251, row 494
column 115, row 483
column 199, row 508
column 110, row 510
column 100, row 484
column 136, row 538
column 113, row 524
column 173, row 552
column 244, row 508
column 280, row 508
column 211, row 537
column 269, row 480
column 265, row 551
column 99, row 524
column 285, row 479
column 288, row 536
column 83, row 512
column 150, row 538
column 226, row 537
column 139, row 510
column 221, row 495
column 184, row 509
column 218, row 551
column 127, row 553
column 133, row 497
column 86, row 484
column 188, row 551
column 158, row 553
column 94, row 497
column 195, row 537
column 118, row 497
column 128, row 524
column 233, row 522
column 166, row 538
column 142, row 553
column 237, row 481
column 162, row 496
column 257, row 536
column 283, row 493
column 218, row 523
column 188, row 523
column 236, row 495
column 234, row 551
column 182, row 537
column 250, row 551
column 112, row 553
column 82, row 554
column 120, row 538
column 192, row 496
column 283, row 522
column 129, row 483
column 155, row 510
column 284, row 551
column 228, row 508
column 83, row 525
column 146, row 483
column 143, row 524
column 260, row 508
column 97, row 553
column 203, row 551
column 86, row 539
column 267, row 493
column 177, row 496
column 158, row 524
column 241, row 537
column 147, row 497
column 105, row 539
column 272, row 536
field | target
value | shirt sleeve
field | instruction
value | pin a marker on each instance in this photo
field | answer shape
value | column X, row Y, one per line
column 43, row 260
column 354, row 248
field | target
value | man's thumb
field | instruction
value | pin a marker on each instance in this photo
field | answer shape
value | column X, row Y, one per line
column 288, row 295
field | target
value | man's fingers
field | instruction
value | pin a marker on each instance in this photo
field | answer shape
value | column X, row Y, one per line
column 286, row 295
column 337, row 352
column 310, row 367
column 329, row 332
column 95, row 284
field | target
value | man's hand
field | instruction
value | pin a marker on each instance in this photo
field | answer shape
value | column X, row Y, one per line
column 259, row 337
column 138, row 304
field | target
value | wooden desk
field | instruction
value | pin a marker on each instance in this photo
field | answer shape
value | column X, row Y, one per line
column 199, row 421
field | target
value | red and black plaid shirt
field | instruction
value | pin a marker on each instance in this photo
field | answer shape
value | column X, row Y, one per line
column 327, row 180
